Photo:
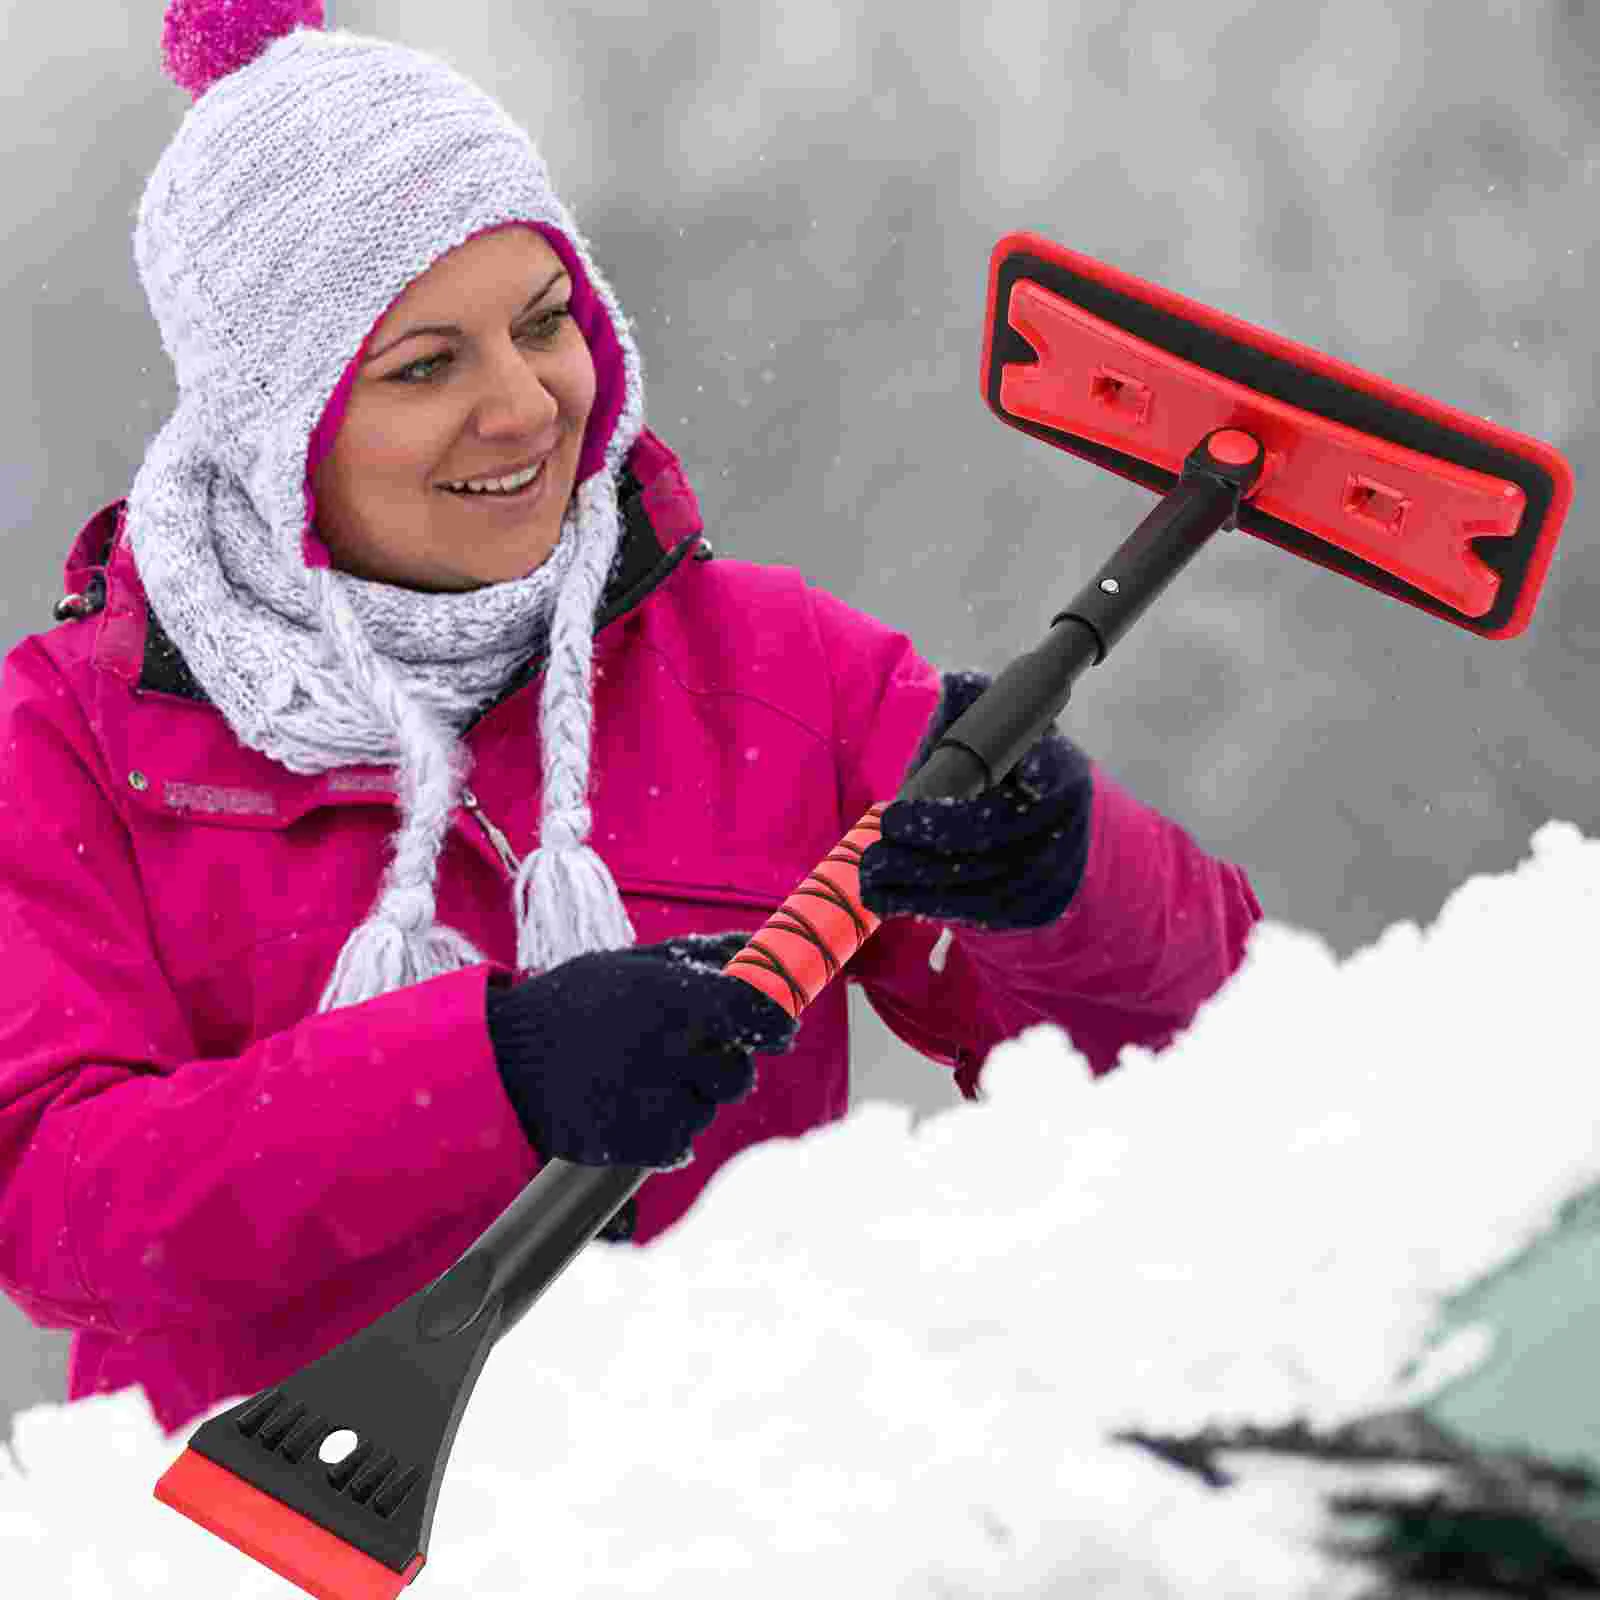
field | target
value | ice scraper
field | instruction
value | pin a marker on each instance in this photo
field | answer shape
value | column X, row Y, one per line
column 330, row 1478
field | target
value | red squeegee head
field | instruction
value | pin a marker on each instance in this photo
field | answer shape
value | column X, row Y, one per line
column 1441, row 510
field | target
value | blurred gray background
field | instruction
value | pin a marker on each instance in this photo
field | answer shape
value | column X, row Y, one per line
column 796, row 202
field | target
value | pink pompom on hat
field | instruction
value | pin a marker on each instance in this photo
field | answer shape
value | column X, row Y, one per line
column 204, row 40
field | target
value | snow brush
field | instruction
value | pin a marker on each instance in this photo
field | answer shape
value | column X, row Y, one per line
column 331, row 1477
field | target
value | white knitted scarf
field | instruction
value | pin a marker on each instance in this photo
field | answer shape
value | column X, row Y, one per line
column 314, row 667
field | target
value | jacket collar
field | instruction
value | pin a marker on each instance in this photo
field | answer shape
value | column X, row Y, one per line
column 661, row 526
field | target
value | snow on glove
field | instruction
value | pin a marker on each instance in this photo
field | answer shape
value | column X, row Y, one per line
column 621, row 1057
column 1011, row 857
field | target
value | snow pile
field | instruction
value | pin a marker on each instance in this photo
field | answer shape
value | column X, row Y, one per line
column 889, row 1361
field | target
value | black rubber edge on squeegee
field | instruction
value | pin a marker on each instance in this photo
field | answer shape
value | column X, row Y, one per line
column 1310, row 391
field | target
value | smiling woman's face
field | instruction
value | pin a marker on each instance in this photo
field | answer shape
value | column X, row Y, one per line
column 513, row 385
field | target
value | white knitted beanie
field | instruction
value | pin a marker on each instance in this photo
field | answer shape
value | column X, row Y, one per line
column 316, row 176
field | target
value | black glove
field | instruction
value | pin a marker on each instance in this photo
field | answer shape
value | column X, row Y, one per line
column 620, row 1057
column 1012, row 857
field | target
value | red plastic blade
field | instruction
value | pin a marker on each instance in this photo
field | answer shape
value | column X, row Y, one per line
column 273, row 1534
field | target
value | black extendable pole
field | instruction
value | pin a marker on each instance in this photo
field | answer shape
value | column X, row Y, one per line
column 527, row 1247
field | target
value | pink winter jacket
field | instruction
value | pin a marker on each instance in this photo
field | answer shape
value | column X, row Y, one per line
column 211, row 1185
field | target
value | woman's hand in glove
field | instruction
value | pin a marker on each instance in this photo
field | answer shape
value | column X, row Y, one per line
column 1012, row 857
column 621, row 1057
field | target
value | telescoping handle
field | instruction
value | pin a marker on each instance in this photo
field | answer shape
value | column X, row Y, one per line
column 814, row 934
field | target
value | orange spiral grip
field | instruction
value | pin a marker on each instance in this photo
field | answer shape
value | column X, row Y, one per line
column 810, row 937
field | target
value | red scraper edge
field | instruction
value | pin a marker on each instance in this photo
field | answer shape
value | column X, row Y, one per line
column 278, row 1537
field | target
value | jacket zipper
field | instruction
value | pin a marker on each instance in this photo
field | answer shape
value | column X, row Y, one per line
column 502, row 845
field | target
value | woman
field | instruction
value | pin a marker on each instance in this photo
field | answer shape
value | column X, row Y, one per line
column 377, row 820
